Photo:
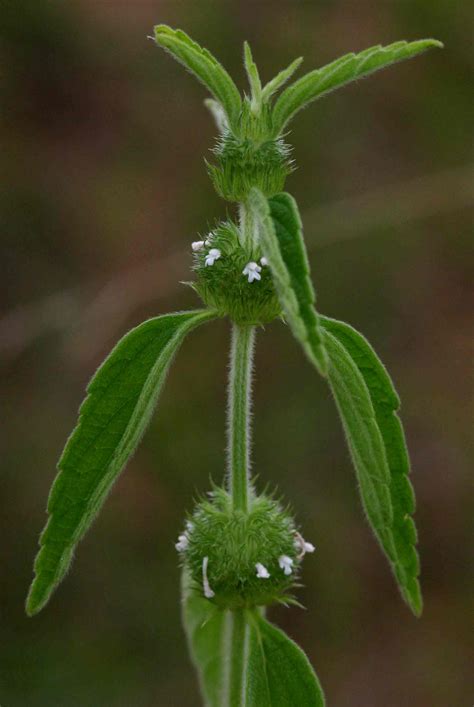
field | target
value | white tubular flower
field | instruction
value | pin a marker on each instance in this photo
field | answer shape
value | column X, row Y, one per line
column 189, row 526
column 303, row 546
column 213, row 255
column 197, row 245
column 264, row 261
column 182, row 543
column 262, row 572
column 286, row 564
column 208, row 593
column 252, row 270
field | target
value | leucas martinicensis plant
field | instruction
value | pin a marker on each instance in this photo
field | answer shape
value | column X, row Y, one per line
column 241, row 550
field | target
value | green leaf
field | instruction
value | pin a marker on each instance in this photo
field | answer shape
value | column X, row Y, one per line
column 278, row 672
column 340, row 72
column 281, row 238
column 207, row 630
column 280, row 79
column 120, row 401
column 401, row 536
column 271, row 671
column 204, row 66
column 253, row 77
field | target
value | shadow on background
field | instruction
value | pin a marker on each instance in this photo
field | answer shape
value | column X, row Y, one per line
column 103, row 188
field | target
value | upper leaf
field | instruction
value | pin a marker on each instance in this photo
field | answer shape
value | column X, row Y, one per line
column 253, row 77
column 275, row 673
column 204, row 66
column 280, row 79
column 281, row 237
column 340, row 72
column 385, row 403
column 112, row 419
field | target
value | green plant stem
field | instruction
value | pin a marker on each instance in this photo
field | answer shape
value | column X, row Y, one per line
column 241, row 358
column 238, row 658
column 239, row 414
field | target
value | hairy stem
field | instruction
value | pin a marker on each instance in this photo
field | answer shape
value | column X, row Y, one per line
column 239, row 438
column 238, row 659
column 239, row 414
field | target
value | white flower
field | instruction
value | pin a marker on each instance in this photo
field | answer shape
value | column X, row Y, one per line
column 262, row 572
column 252, row 270
column 197, row 245
column 286, row 564
column 189, row 526
column 264, row 261
column 208, row 593
column 182, row 543
column 213, row 255
column 303, row 546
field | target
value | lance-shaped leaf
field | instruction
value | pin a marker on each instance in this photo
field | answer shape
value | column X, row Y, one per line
column 205, row 67
column 364, row 439
column 280, row 79
column 281, row 238
column 120, row 401
column 273, row 670
column 278, row 673
column 349, row 349
column 253, row 77
column 340, row 72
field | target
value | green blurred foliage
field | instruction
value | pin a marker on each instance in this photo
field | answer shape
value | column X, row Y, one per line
column 103, row 181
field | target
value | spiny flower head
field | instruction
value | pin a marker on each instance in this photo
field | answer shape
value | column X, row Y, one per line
column 230, row 279
column 239, row 559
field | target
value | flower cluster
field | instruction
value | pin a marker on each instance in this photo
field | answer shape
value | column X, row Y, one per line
column 252, row 269
column 241, row 559
column 225, row 269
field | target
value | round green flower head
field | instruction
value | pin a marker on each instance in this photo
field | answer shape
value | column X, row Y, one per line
column 238, row 559
column 233, row 279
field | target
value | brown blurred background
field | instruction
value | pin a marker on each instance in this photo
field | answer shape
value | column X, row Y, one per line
column 103, row 188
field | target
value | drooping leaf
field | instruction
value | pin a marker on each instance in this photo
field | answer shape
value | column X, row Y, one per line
column 386, row 403
column 278, row 673
column 272, row 671
column 204, row 66
column 340, row 72
column 364, row 439
column 120, row 401
column 281, row 238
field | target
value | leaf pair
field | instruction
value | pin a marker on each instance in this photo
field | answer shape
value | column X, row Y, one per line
column 364, row 394
column 272, row 671
column 124, row 391
column 121, row 398
column 298, row 95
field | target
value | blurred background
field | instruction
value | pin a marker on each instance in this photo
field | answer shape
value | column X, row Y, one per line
column 103, row 188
